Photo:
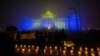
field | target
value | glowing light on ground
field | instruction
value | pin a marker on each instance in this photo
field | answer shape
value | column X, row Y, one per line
column 55, row 50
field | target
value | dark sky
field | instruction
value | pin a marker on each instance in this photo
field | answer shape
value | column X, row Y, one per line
column 12, row 11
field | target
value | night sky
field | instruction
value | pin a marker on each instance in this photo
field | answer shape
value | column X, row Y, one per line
column 12, row 11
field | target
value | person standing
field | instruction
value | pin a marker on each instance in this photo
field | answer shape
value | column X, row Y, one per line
column 7, row 45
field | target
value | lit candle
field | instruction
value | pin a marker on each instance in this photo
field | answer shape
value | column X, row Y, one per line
column 29, row 50
column 92, row 54
column 50, row 47
column 51, row 52
column 16, row 46
column 99, row 53
column 32, row 46
column 45, row 47
column 92, row 50
column 86, row 53
column 64, row 52
column 72, row 52
column 36, row 50
column 29, row 46
column 64, row 48
column 17, row 49
column 72, row 48
column 86, row 49
column 44, row 51
column 80, row 48
column 37, row 47
column 23, row 50
column 79, row 53
column 55, row 47
column 24, row 46
column 21, row 46
column 98, row 49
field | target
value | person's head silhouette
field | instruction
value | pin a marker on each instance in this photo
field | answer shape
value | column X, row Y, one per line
column 12, row 30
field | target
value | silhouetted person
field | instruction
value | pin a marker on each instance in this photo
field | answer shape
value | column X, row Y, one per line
column 41, row 41
column 7, row 46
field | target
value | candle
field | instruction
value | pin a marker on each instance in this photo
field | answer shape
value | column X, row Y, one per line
column 80, row 48
column 24, row 46
column 36, row 50
column 37, row 47
column 72, row 48
column 32, row 46
column 72, row 52
column 17, row 49
column 86, row 53
column 64, row 52
column 29, row 46
column 45, row 47
column 23, row 50
column 99, row 53
column 92, row 50
column 44, row 51
column 55, row 47
column 64, row 48
column 16, row 46
column 86, row 49
column 79, row 53
column 92, row 54
column 50, row 47
column 98, row 49
column 29, row 50
column 21, row 46
column 51, row 52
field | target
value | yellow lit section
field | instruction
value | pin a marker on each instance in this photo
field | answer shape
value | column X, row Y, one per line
column 48, row 14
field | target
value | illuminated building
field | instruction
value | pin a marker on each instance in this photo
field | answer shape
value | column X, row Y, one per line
column 49, row 21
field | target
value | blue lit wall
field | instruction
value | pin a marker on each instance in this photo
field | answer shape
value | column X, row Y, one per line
column 25, row 24
column 69, row 23
column 74, row 24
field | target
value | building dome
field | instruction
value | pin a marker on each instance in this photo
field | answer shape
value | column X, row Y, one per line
column 48, row 14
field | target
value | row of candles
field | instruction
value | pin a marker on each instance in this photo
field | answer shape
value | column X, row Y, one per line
column 55, row 50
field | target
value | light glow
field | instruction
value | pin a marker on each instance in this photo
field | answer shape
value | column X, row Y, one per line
column 48, row 14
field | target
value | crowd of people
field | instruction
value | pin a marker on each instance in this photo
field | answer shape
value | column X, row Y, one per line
column 43, row 38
